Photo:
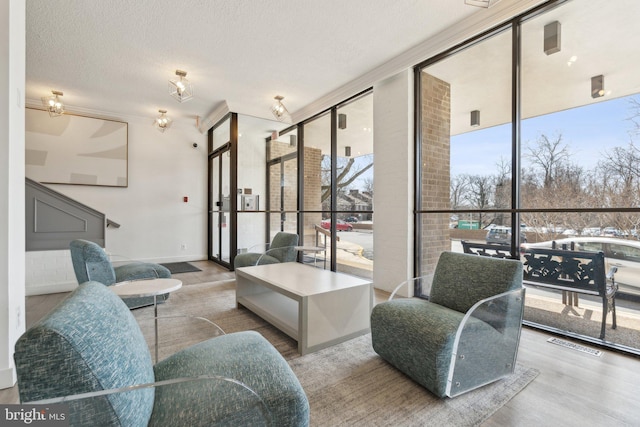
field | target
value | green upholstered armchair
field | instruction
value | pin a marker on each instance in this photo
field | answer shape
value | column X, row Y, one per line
column 466, row 335
column 91, row 263
column 90, row 351
column 281, row 249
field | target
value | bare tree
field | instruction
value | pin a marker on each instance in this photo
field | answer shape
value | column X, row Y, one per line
column 480, row 192
column 458, row 187
column 347, row 172
column 548, row 154
column 622, row 163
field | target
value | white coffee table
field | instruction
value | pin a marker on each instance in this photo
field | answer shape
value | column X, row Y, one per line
column 318, row 308
column 147, row 288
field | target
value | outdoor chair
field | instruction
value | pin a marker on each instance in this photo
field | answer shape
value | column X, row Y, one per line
column 91, row 263
column 466, row 335
column 281, row 249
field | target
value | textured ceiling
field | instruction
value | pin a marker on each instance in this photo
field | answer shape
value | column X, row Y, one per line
column 117, row 56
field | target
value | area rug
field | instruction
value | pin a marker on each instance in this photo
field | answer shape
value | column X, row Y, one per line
column 347, row 384
column 180, row 267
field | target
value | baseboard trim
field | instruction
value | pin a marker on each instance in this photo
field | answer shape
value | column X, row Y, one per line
column 8, row 377
column 51, row 288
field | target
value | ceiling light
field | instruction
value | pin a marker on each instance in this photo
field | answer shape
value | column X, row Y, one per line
column 342, row 121
column 181, row 88
column 551, row 40
column 475, row 118
column 162, row 122
column 53, row 104
column 481, row 3
column 279, row 110
column 597, row 86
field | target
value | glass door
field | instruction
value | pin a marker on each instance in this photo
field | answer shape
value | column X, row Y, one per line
column 219, row 213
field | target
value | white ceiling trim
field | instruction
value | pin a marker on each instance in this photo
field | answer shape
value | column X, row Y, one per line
column 464, row 30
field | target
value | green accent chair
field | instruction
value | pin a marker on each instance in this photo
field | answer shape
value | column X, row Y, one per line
column 91, row 351
column 281, row 249
column 91, row 263
column 466, row 335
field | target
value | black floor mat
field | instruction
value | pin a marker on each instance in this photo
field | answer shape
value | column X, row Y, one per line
column 180, row 267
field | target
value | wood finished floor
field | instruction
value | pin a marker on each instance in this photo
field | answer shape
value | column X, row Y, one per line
column 572, row 389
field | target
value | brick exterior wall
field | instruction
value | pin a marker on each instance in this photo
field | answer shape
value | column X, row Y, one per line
column 312, row 189
column 436, row 137
column 279, row 149
column 312, row 192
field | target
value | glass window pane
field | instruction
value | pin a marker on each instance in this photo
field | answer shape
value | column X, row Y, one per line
column 580, row 105
column 221, row 134
column 317, row 175
column 466, row 146
column 355, row 187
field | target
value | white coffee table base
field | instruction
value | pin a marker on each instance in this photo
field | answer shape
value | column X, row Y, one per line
column 317, row 308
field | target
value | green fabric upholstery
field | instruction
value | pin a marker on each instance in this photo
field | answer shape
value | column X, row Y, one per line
column 280, row 390
column 92, row 342
column 89, row 342
column 418, row 337
column 91, row 263
column 281, row 249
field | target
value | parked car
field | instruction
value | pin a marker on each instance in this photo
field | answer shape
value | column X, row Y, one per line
column 340, row 225
column 611, row 232
column 351, row 219
column 502, row 235
column 621, row 253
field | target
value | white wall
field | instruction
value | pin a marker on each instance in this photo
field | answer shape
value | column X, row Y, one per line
column 12, row 235
column 393, row 178
column 155, row 223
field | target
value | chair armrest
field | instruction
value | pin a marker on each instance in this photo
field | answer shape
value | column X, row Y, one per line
column 260, row 247
column 215, row 325
column 272, row 252
column 425, row 281
column 486, row 342
column 205, row 387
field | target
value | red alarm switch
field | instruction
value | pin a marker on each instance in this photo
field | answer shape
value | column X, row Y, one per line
column 185, row 199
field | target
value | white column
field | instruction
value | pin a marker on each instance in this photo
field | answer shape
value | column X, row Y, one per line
column 12, row 226
column 393, row 179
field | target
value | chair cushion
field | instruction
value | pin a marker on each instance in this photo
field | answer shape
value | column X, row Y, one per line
column 283, row 247
column 249, row 259
column 89, row 342
column 245, row 356
column 417, row 337
column 90, row 262
column 461, row 280
column 141, row 270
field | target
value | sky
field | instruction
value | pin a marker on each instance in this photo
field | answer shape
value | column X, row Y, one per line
column 587, row 131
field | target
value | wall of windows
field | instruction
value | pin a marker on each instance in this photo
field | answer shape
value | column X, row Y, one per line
column 338, row 186
column 314, row 179
column 533, row 127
